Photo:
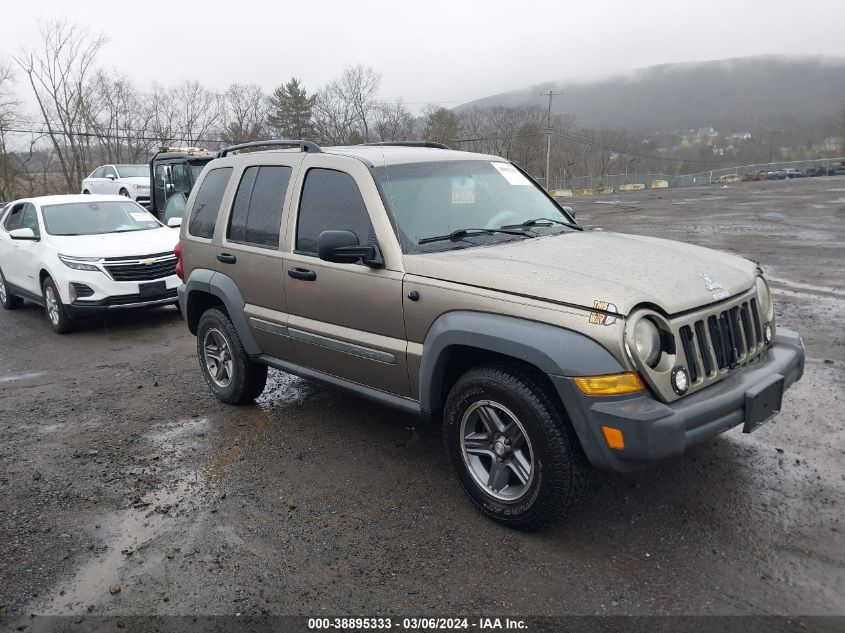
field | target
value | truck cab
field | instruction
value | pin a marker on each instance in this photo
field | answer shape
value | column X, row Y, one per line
column 175, row 170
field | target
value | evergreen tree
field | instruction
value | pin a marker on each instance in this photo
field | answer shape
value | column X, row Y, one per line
column 291, row 111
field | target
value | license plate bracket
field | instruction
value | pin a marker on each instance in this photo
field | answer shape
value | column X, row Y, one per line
column 763, row 402
column 152, row 289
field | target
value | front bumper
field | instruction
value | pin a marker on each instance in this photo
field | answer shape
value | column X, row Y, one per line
column 120, row 302
column 654, row 430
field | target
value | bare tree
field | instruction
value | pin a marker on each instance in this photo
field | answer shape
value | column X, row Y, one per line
column 344, row 108
column 118, row 118
column 244, row 114
column 393, row 121
column 334, row 119
column 441, row 125
column 58, row 74
column 8, row 110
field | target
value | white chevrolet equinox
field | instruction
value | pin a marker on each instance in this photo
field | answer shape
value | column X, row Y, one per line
column 78, row 254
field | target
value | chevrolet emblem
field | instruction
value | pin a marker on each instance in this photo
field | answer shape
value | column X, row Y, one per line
column 147, row 262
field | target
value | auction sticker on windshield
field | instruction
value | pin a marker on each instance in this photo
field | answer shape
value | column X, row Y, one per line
column 463, row 190
column 512, row 174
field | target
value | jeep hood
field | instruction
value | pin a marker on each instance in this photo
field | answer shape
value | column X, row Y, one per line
column 583, row 267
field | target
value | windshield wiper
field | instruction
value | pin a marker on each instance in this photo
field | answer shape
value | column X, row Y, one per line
column 461, row 233
column 539, row 222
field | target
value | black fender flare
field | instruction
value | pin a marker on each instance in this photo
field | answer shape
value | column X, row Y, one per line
column 553, row 350
column 224, row 288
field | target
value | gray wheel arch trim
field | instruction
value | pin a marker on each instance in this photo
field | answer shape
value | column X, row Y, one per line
column 551, row 349
column 225, row 289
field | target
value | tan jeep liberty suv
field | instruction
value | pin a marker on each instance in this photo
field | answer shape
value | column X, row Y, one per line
column 448, row 284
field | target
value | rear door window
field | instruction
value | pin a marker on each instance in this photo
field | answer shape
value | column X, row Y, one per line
column 207, row 203
column 257, row 209
column 330, row 200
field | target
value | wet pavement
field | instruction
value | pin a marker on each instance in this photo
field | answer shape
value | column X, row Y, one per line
column 125, row 488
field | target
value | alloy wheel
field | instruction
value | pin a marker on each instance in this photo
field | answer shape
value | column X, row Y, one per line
column 496, row 450
column 218, row 358
column 52, row 305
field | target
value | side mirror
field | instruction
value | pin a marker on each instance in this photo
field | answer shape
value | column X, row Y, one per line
column 111, row 177
column 342, row 247
column 570, row 211
column 174, row 222
column 23, row 234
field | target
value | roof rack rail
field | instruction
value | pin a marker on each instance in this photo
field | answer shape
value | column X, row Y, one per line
column 430, row 144
column 304, row 146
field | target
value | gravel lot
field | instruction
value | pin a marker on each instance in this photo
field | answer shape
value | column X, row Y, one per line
column 125, row 488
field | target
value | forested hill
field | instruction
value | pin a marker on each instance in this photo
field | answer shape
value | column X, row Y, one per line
column 736, row 95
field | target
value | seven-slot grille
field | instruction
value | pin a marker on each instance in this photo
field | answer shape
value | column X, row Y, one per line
column 146, row 268
column 722, row 340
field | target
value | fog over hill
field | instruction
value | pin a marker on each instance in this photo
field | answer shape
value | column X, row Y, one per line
column 803, row 96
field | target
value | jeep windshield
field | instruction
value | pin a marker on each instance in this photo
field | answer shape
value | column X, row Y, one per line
column 439, row 205
column 96, row 218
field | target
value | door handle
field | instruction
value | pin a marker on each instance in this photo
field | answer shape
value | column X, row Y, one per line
column 226, row 258
column 302, row 273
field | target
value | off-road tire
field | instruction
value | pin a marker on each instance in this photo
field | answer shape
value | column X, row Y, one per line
column 8, row 300
column 62, row 323
column 560, row 467
column 248, row 378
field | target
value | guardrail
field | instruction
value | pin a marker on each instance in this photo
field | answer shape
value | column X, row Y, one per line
column 624, row 182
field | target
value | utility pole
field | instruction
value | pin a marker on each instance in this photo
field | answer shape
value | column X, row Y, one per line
column 771, row 134
column 550, row 95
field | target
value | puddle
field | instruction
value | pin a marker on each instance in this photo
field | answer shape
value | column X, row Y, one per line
column 14, row 377
column 797, row 287
column 125, row 534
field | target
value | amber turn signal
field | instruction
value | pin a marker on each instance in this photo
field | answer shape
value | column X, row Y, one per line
column 610, row 384
column 613, row 437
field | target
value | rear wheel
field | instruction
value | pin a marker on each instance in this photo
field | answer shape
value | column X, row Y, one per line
column 54, row 308
column 8, row 300
column 512, row 447
column 228, row 370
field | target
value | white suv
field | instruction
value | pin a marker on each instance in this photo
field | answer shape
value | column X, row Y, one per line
column 78, row 254
column 131, row 181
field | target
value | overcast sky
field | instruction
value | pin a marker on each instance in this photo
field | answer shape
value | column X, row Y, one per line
column 427, row 50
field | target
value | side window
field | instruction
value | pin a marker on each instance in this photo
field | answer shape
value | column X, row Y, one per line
column 29, row 219
column 330, row 200
column 109, row 171
column 99, row 172
column 13, row 220
column 175, row 207
column 207, row 203
column 257, row 210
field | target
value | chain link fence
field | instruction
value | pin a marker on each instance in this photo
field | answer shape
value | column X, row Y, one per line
column 818, row 166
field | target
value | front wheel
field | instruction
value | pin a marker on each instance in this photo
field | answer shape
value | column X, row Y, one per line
column 124, row 193
column 228, row 370
column 8, row 300
column 512, row 447
column 54, row 308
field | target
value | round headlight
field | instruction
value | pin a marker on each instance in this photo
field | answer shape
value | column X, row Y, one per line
column 764, row 296
column 647, row 340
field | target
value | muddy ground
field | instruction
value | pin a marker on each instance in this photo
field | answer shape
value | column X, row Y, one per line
column 125, row 488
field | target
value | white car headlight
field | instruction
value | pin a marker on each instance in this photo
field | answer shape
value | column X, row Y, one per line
column 79, row 263
column 647, row 340
column 140, row 187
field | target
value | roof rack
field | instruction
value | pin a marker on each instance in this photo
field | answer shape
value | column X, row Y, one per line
column 430, row 144
column 304, row 146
